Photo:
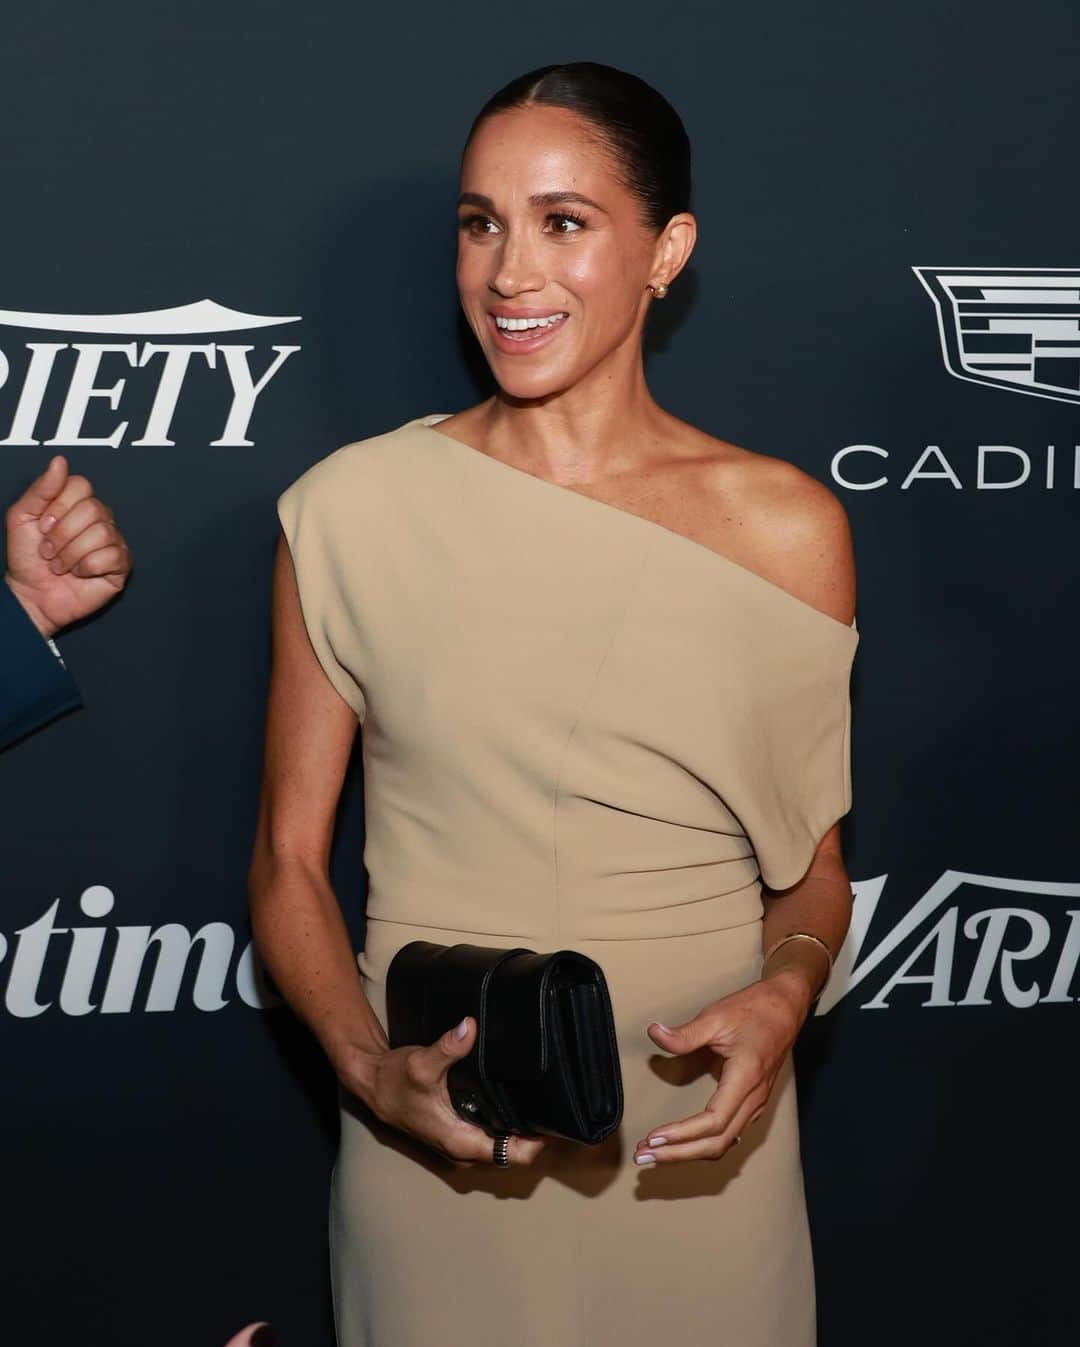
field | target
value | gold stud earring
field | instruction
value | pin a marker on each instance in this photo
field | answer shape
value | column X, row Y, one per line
column 659, row 290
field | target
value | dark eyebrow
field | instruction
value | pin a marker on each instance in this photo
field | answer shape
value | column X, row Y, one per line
column 537, row 199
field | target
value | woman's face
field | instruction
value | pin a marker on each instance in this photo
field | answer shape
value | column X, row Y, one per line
column 529, row 246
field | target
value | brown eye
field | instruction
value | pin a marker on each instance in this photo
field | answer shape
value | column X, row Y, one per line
column 467, row 221
column 577, row 220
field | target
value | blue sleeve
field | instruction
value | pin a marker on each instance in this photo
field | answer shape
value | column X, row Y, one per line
column 34, row 685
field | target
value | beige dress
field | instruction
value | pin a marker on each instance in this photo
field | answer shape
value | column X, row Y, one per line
column 580, row 730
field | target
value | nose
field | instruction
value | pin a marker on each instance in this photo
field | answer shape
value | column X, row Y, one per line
column 517, row 266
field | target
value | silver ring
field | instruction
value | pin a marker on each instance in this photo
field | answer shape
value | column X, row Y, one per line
column 500, row 1150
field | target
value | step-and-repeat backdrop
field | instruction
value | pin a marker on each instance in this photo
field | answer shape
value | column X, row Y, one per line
column 227, row 248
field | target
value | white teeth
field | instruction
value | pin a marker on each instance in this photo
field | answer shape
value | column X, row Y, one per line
column 520, row 324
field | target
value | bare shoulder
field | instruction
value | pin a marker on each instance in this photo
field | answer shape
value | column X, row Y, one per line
column 794, row 528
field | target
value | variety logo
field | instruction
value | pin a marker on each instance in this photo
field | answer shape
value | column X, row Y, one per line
column 120, row 970
column 1015, row 955
column 1016, row 328
column 70, row 370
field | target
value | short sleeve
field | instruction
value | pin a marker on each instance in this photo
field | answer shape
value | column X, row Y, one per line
column 313, row 533
column 796, row 775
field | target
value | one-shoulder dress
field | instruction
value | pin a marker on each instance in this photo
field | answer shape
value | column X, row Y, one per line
column 580, row 730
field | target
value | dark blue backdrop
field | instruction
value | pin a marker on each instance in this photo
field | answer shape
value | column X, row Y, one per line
column 168, row 1167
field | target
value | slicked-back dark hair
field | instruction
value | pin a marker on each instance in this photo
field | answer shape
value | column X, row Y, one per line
column 632, row 120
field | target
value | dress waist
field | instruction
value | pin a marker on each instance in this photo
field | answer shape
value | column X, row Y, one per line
column 572, row 913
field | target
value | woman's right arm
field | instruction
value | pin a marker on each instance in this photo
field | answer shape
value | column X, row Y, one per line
column 296, row 919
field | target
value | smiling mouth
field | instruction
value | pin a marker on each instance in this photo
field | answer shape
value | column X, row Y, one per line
column 526, row 330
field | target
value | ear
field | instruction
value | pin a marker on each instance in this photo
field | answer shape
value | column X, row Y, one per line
column 674, row 246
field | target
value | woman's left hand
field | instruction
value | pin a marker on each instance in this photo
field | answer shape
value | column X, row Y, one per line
column 753, row 1029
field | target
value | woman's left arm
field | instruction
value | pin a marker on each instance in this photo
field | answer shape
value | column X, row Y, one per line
column 754, row 1028
column 820, row 904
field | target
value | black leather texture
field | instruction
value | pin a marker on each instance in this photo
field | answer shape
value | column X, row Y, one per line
column 545, row 1059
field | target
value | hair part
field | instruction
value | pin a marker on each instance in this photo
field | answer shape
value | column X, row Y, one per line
column 642, row 132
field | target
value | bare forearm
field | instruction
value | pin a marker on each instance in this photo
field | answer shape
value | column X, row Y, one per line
column 819, row 904
column 304, row 943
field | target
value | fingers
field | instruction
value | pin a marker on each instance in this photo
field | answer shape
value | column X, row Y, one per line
column 257, row 1334
column 450, row 1047
column 524, row 1150
column 464, row 1143
column 467, row 1145
column 84, row 538
column 682, row 1038
column 428, row 1065
column 42, row 490
column 738, row 1100
column 112, row 560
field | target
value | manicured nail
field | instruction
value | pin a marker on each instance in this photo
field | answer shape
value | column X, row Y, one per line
column 658, row 1141
column 462, row 1029
column 644, row 1158
column 47, row 548
column 662, row 1026
column 48, row 522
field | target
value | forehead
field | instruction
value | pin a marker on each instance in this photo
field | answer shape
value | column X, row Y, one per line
column 536, row 149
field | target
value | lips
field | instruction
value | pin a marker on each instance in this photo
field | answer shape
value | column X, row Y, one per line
column 526, row 340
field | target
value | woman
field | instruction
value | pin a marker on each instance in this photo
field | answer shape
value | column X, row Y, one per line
column 601, row 660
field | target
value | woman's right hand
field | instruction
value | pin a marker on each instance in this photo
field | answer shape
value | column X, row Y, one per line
column 408, row 1090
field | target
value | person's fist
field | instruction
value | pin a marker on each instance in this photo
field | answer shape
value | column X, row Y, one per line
column 65, row 556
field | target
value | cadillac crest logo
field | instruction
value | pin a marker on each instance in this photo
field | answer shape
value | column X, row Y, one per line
column 1016, row 328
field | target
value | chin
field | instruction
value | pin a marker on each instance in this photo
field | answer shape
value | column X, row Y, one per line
column 517, row 381
column 530, row 390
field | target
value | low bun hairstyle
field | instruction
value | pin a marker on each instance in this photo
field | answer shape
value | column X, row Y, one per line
column 632, row 120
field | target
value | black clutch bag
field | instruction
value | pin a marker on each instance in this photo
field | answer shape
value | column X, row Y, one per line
column 545, row 1058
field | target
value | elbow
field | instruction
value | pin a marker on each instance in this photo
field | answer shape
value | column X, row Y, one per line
column 276, row 867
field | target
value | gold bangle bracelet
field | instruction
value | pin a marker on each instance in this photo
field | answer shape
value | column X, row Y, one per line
column 803, row 935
